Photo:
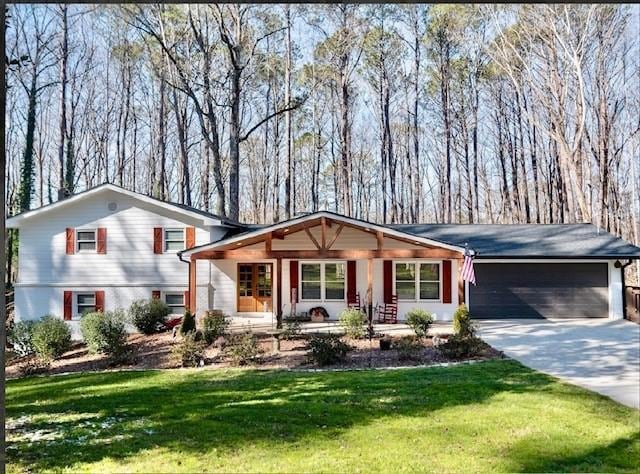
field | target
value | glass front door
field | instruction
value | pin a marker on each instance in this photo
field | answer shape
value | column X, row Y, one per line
column 255, row 287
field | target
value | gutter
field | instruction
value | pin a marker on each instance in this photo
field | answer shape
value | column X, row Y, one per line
column 622, row 266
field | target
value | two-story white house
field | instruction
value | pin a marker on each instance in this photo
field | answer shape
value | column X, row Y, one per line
column 106, row 247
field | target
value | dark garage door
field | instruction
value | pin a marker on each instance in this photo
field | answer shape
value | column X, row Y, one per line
column 539, row 290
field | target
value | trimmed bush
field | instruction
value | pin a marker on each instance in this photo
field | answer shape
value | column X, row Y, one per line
column 352, row 321
column 214, row 326
column 460, row 347
column 408, row 347
column 292, row 330
column 51, row 338
column 188, row 323
column 327, row 349
column 148, row 315
column 189, row 350
column 105, row 333
column 242, row 349
column 20, row 337
column 420, row 321
column 462, row 324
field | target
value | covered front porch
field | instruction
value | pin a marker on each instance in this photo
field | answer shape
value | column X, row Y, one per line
column 323, row 260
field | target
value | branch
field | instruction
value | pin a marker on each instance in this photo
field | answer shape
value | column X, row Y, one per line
column 290, row 107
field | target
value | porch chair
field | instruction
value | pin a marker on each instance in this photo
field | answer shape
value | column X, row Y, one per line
column 353, row 301
column 388, row 312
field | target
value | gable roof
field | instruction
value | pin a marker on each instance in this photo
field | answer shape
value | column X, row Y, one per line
column 528, row 240
column 256, row 231
column 206, row 217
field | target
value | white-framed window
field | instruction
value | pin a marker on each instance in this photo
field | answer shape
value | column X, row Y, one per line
column 175, row 301
column 85, row 303
column 86, row 240
column 322, row 281
column 417, row 280
column 173, row 239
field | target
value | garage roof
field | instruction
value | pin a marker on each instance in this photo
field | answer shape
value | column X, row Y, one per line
column 528, row 240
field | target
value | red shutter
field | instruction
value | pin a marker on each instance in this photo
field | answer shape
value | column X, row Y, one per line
column 387, row 275
column 351, row 279
column 100, row 301
column 157, row 240
column 155, row 294
column 186, row 301
column 102, row 240
column 293, row 278
column 71, row 244
column 446, row 281
column 191, row 237
column 68, row 305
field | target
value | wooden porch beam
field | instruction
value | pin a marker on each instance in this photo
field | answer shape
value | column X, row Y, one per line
column 279, row 293
column 313, row 239
column 341, row 254
column 379, row 239
column 461, row 292
column 335, row 236
column 267, row 242
column 323, row 232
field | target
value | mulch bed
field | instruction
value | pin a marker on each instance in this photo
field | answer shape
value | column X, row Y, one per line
column 154, row 352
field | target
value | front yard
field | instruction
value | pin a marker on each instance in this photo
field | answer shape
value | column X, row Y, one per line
column 489, row 416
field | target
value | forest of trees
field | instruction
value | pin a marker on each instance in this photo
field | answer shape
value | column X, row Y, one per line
column 390, row 113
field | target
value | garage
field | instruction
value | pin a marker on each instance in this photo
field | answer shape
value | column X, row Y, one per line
column 539, row 290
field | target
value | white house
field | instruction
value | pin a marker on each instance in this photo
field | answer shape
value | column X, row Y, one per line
column 107, row 247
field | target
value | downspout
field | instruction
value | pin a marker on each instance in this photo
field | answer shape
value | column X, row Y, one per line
column 622, row 266
column 188, row 278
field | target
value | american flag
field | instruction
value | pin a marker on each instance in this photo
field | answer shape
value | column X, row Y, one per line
column 467, row 272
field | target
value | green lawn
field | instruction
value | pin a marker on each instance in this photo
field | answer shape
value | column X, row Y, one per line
column 490, row 416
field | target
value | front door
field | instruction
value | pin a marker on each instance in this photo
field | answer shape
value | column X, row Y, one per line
column 255, row 287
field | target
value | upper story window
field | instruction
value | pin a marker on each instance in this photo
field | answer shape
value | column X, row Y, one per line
column 417, row 280
column 173, row 239
column 322, row 281
column 86, row 240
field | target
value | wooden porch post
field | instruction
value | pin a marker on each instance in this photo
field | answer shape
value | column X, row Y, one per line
column 192, row 285
column 370, row 288
column 279, row 293
column 461, row 295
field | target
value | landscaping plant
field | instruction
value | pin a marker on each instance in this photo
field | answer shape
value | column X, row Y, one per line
column 20, row 337
column 462, row 324
column 243, row 348
column 408, row 347
column 51, row 338
column 292, row 329
column 327, row 349
column 214, row 326
column 420, row 321
column 188, row 323
column 105, row 333
column 189, row 350
column 148, row 315
column 352, row 321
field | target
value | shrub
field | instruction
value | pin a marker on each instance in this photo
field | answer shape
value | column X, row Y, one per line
column 420, row 321
column 292, row 330
column 189, row 350
column 327, row 349
column 352, row 321
column 188, row 323
column 408, row 347
column 33, row 366
column 242, row 348
column 148, row 315
column 459, row 346
column 214, row 326
column 20, row 337
column 105, row 333
column 51, row 338
column 462, row 324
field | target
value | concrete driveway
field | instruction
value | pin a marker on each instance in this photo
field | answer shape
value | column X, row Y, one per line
column 600, row 355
